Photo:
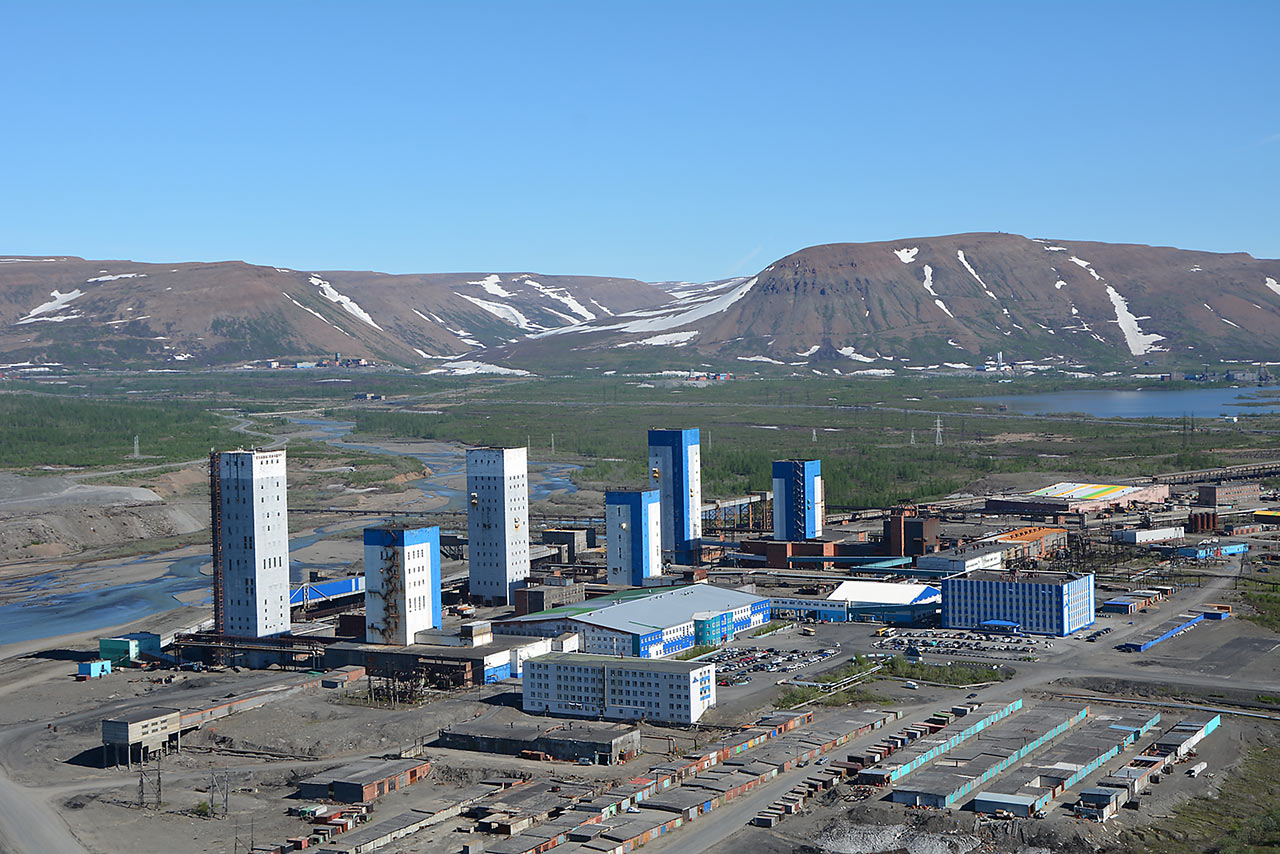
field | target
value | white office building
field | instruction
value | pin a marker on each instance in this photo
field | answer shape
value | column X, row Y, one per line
column 402, row 583
column 497, row 522
column 254, row 534
column 624, row 689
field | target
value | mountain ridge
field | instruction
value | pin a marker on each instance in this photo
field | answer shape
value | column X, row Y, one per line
column 943, row 301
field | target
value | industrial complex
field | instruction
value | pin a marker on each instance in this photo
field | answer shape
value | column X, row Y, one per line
column 636, row 638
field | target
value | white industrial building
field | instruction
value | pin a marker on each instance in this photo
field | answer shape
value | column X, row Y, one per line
column 497, row 522
column 253, row 541
column 402, row 583
column 1139, row 536
column 860, row 592
column 604, row 686
column 969, row 558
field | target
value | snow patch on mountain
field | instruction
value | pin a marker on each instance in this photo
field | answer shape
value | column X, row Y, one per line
column 669, row 339
column 851, row 353
column 928, row 280
column 672, row 316
column 469, row 367
column 463, row 335
column 1272, row 285
column 492, row 284
column 322, row 318
column 974, row 273
column 563, row 296
column 349, row 305
column 928, row 286
column 117, row 276
column 47, row 310
column 1080, row 262
column 906, row 256
column 503, row 312
column 1139, row 343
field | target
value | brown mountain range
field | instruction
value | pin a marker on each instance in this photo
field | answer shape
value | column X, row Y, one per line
column 952, row 300
column 963, row 298
column 74, row 311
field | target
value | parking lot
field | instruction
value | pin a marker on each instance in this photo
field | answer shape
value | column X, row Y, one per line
column 736, row 664
column 957, row 641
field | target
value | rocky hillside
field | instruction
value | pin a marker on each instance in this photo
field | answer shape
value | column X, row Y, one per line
column 115, row 313
column 956, row 301
column 961, row 299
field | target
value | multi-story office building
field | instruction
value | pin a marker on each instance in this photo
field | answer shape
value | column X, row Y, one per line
column 402, row 583
column 798, row 500
column 675, row 468
column 251, row 522
column 1043, row 603
column 619, row 689
column 497, row 522
column 633, row 527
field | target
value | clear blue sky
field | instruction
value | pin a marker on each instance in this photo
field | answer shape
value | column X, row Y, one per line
column 661, row 140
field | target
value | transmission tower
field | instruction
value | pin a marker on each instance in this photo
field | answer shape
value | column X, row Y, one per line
column 219, row 790
column 937, row 431
column 148, row 783
column 913, row 435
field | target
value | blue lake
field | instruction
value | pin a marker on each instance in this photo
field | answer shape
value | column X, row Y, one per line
column 1144, row 403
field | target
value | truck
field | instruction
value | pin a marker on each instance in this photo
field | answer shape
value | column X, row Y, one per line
column 1197, row 769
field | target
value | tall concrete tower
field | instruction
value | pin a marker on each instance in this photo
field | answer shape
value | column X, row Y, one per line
column 675, row 468
column 633, row 526
column 402, row 583
column 497, row 522
column 798, row 499
column 251, row 548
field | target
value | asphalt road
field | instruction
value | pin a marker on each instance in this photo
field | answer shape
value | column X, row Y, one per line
column 29, row 824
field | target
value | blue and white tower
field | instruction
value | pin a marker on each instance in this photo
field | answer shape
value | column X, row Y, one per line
column 402, row 583
column 633, row 525
column 675, row 468
column 798, row 499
